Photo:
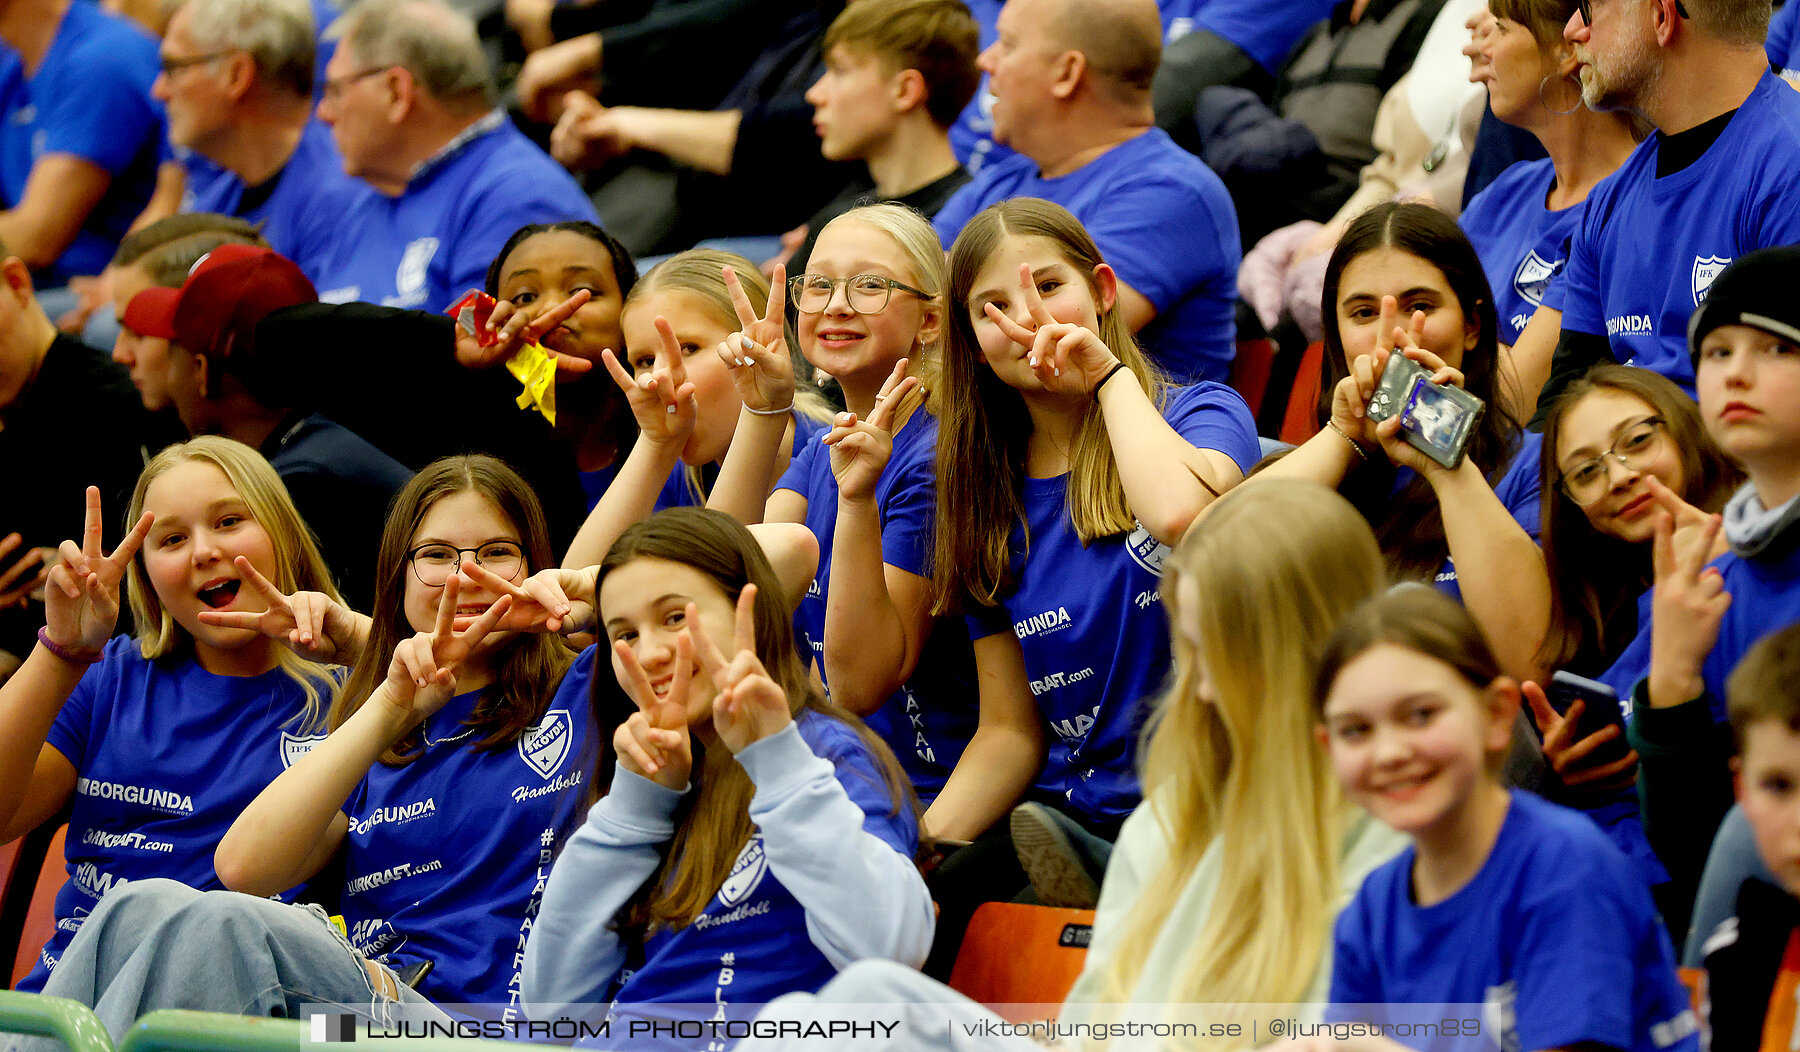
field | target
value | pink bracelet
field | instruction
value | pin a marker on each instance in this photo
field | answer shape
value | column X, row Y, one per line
column 64, row 654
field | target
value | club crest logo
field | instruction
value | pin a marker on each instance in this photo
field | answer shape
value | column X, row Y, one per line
column 752, row 863
column 1706, row 268
column 409, row 279
column 1532, row 279
column 294, row 746
column 1146, row 550
column 545, row 746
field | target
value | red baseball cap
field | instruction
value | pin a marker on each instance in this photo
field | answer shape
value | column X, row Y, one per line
column 227, row 292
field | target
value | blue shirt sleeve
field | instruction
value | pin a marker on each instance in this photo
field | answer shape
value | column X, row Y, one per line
column 98, row 106
column 1213, row 416
column 1354, row 979
column 1133, row 235
column 69, row 733
column 798, row 476
column 1578, row 290
column 908, row 518
column 984, row 621
column 957, row 211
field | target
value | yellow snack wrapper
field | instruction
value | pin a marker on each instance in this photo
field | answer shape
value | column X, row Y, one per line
column 535, row 370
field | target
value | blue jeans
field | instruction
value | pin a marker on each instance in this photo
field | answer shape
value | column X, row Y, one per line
column 154, row 944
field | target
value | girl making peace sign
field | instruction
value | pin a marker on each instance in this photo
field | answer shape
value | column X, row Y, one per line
column 742, row 804
column 458, row 758
column 159, row 741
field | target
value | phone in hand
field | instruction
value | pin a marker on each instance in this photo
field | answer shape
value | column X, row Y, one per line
column 1436, row 419
column 1600, row 710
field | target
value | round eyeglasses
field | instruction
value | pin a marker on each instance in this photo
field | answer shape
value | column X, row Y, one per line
column 866, row 293
column 433, row 564
column 1588, row 481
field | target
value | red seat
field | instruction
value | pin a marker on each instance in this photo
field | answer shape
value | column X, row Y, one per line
column 40, row 919
column 1250, row 369
column 1301, row 421
column 1021, row 956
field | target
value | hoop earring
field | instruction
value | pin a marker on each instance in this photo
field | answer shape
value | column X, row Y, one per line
column 1552, row 110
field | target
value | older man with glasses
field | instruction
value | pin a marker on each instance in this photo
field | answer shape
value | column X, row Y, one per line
column 444, row 176
column 1713, row 181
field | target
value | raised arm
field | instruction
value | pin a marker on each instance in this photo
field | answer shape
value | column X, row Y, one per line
column 295, row 825
column 1005, row 754
column 876, row 615
column 764, row 376
column 1167, row 481
column 665, row 407
column 81, row 606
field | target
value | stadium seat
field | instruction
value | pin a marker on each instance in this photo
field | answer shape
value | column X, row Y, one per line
column 1300, row 422
column 40, row 919
column 1016, row 956
column 70, row 1022
column 1250, row 369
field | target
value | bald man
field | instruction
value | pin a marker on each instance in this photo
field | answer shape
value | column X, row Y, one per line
column 1071, row 86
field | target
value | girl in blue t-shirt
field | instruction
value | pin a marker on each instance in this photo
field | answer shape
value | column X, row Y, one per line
column 678, row 380
column 1503, row 900
column 870, row 311
column 538, row 269
column 458, row 758
column 1469, row 529
column 742, row 805
column 157, row 741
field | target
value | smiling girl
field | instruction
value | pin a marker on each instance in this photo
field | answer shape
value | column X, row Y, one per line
column 742, row 805
column 157, row 742
column 1503, row 900
column 457, row 759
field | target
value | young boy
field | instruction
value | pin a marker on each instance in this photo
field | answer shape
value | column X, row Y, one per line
column 1753, row 959
column 897, row 74
column 1705, row 613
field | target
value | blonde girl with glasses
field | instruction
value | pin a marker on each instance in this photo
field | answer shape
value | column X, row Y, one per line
column 871, row 312
column 459, row 754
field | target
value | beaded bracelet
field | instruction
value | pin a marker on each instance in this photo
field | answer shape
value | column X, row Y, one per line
column 1354, row 444
column 64, row 654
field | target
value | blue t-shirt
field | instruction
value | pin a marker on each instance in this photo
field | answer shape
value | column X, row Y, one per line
column 751, row 942
column 90, row 98
column 1522, row 244
column 972, row 136
column 1555, row 936
column 1647, row 249
column 1765, row 598
column 1264, row 31
column 930, row 719
column 167, row 756
column 447, row 855
column 300, row 213
column 1783, row 44
column 1165, row 223
column 679, row 492
column 435, row 241
column 1091, row 623
column 1520, row 489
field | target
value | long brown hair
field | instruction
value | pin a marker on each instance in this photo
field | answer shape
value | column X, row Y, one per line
column 983, row 425
column 712, row 824
column 526, row 670
column 1409, row 525
column 1595, row 579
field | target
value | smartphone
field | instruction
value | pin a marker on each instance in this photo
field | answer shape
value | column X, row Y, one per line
column 1436, row 419
column 1601, row 709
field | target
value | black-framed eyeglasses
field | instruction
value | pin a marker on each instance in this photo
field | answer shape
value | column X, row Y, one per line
column 172, row 66
column 1588, row 481
column 335, row 86
column 1586, row 8
column 433, row 563
column 866, row 293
